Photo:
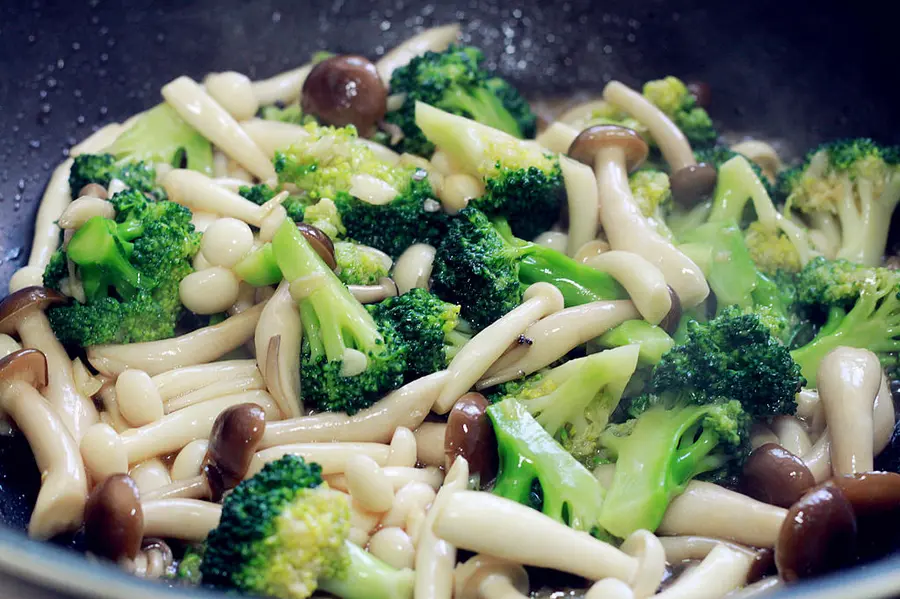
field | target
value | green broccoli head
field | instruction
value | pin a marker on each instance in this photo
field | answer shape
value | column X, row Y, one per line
column 652, row 192
column 523, row 183
column 453, row 80
column 429, row 326
column 672, row 97
column 291, row 113
column 130, row 269
column 573, row 401
column 857, row 180
column 103, row 168
column 358, row 265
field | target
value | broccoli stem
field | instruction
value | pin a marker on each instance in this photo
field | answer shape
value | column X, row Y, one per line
column 866, row 221
column 651, row 339
column 484, row 107
column 737, row 184
column 367, row 577
column 259, row 268
column 102, row 256
column 333, row 320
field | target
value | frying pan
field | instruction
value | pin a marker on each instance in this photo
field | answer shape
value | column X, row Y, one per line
column 794, row 72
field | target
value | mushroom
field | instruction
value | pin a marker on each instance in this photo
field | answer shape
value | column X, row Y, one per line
column 614, row 152
column 345, row 90
column 272, row 136
column 609, row 588
column 487, row 577
column 476, row 356
column 762, row 154
column 180, row 381
column 182, row 519
column 113, row 519
column 469, row 434
column 686, row 548
column 558, row 137
column 644, row 282
column 233, row 440
column 22, row 312
column 706, row 509
column 791, row 434
column 486, row 523
column 875, row 497
column 761, row 588
column 407, row 406
column 277, row 341
column 332, row 457
column 189, row 461
column 774, row 475
column 154, row 357
column 208, row 117
column 848, row 382
column 46, row 232
column 435, row 39
column 583, row 203
column 554, row 336
column 818, row 535
column 227, row 386
column 150, row 475
column 403, row 450
column 154, row 560
column 398, row 476
column 368, row 485
column 61, row 500
column 372, row 294
column 284, row 87
column 413, row 267
column 234, row 92
column 412, row 498
column 200, row 193
column 723, row 570
column 430, row 440
column 83, row 209
column 644, row 546
column 394, row 547
column 689, row 180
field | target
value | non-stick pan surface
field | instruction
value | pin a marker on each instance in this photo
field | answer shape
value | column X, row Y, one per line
column 794, row 71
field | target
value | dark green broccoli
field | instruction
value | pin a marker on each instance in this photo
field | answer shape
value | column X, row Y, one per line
column 189, row 566
column 861, row 307
column 694, row 416
column 485, row 269
column 130, row 270
column 856, row 181
column 262, row 193
column 672, row 97
column 283, row 533
column 430, row 327
column 536, row 471
column 453, row 80
column 157, row 136
column 348, row 360
column 523, row 183
column 573, row 401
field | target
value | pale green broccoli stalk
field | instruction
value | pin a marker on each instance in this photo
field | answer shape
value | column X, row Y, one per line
column 652, row 340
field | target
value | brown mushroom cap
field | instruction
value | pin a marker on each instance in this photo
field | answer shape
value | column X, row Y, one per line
column 113, row 518
column 470, row 575
column 23, row 301
column 320, row 242
column 692, row 183
column 774, row 475
column 818, row 535
column 875, row 497
column 345, row 90
column 469, row 434
column 27, row 365
column 584, row 148
column 235, row 435
column 670, row 321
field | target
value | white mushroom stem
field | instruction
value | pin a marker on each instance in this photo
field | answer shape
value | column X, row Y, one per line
column 27, row 276
column 75, row 410
column 332, row 457
column 558, row 137
column 271, row 136
column 98, row 141
column 214, row 390
column 644, row 282
column 435, row 554
column 609, row 588
column 199, row 192
column 189, row 461
column 398, row 476
column 672, row 143
column 435, row 39
column 762, row 154
column 646, row 548
column 848, row 381
column 208, row 117
column 150, row 476
column 179, row 381
column 723, row 570
column 196, row 487
column 54, row 201
column 61, row 500
column 430, row 438
column 584, row 204
column 760, row 434
column 818, row 458
column 762, row 588
column 183, row 519
column 407, row 406
column 283, row 87
column 791, row 435
column 555, row 335
column 277, row 342
column 173, row 431
column 486, row 577
column 372, row 294
column 476, row 357
column 486, row 523
column 200, row 346
column 83, row 209
column 627, row 229
column 811, row 411
column 705, row 509
column 679, row 549
column 413, row 268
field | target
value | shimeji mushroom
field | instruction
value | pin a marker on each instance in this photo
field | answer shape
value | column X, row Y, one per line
column 776, row 476
column 332, row 457
column 643, row 281
column 180, row 381
column 723, row 570
column 487, row 577
column 278, row 335
column 469, row 434
column 372, row 294
column 413, row 267
column 202, row 194
column 61, row 500
column 614, row 152
column 22, row 313
column 397, row 476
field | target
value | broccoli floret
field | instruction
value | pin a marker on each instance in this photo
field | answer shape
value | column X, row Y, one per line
column 672, row 97
column 453, row 80
column 485, row 269
column 103, row 168
column 573, row 401
column 325, row 216
column 262, row 193
column 858, row 181
column 130, row 270
column 523, row 183
column 335, row 164
column 358, row 265
column 536, row 471
column 430, row 327
column 292, row 113
column 862, row 309
column 653, row 196
column 283, row 533
column 652, row 340
column 348, row 360
column 189, row 566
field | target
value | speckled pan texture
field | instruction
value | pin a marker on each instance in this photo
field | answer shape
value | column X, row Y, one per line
column 796, row 72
